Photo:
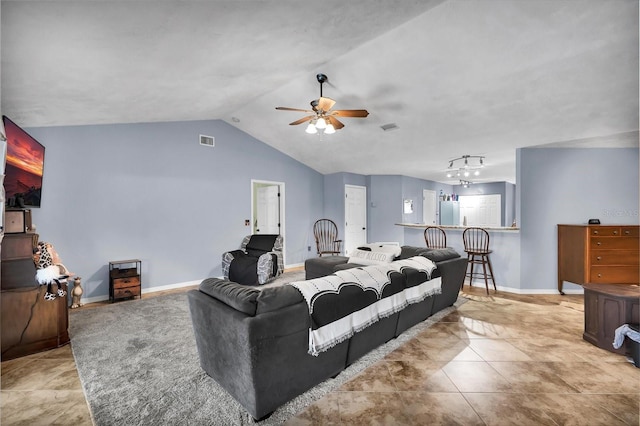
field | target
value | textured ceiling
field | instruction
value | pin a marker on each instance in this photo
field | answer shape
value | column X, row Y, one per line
column 457, row 77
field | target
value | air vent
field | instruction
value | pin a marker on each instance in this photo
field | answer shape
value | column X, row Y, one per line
column 390, row 126
column 207, row 140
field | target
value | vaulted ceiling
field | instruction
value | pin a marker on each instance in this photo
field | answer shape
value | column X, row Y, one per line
column 456, row 77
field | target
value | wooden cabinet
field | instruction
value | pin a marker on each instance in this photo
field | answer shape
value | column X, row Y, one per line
column 604, row 254
column 29, row 324
column 125, row 279
column 607, row 307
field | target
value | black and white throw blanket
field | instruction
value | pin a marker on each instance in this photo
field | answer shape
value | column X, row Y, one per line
column 350, row 300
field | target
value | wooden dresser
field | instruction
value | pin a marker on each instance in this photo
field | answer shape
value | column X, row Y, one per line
column 602, row 254
column 29, row 324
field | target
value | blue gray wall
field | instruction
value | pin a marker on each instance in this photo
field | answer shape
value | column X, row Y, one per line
column 334, row 196
column 150, row 191
column 569, row 186
column 385, row 208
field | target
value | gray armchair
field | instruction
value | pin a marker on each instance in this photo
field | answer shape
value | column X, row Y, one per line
column 258, row 261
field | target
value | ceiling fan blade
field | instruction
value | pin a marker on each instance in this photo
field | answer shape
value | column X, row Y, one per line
column 292, row 109
column 336, row 123
column 350, row 112
column 325, row 104
column 302, row 120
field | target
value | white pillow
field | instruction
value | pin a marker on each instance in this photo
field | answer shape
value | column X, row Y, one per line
column 379, row 253
column 393, row 248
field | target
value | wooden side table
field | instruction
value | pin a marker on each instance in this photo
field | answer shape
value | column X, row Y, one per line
column 607, row 307
column 125, row 279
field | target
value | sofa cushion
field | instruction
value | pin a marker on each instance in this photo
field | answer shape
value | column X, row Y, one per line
column 343, row 266
column 322, row 266
column 239, row 297
column 409, row 251
column 440, row 254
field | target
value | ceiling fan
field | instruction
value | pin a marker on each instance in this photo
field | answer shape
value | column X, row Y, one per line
column 321, row 116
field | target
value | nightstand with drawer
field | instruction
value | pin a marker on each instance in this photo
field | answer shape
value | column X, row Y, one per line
column 125, row 279
column 599, row 254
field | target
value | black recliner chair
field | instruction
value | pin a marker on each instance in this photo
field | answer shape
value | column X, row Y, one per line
column 258, row 261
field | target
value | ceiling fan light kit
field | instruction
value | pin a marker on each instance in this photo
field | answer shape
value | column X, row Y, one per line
column 466, row 169
column 321, row 116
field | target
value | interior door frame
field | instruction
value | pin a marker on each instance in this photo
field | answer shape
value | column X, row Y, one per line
column 366, row 224
column 426, row 191
column 254, row 185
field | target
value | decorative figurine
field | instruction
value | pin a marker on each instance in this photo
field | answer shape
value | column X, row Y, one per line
column 50, row 270
column 76, row 293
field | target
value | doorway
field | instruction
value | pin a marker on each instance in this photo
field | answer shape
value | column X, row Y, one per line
column 267, row 208
column 355, row 214
column 429, row 207
column 481, row 210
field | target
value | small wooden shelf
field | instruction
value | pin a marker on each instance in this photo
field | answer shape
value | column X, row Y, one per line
column 125, row 279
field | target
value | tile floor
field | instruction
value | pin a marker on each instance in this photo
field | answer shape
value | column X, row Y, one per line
column 498, row 360
column 502, row 359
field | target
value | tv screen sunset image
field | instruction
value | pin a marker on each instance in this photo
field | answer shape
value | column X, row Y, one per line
column 24, row 167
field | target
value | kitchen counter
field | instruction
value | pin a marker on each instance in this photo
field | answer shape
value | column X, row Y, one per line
column 459, row 228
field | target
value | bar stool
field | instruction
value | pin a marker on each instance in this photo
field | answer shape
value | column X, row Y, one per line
column 435, row 237
column 476, row 245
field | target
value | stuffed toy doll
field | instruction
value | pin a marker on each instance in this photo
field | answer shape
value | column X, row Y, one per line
column 50, row 270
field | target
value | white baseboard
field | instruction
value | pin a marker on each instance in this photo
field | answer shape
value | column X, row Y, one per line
column 537, row 290
column 86, row 300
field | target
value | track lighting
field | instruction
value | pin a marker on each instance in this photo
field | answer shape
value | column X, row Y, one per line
column 467, row 168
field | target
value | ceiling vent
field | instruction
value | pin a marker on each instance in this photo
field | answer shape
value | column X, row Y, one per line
column 390, row 126
column 207, row 140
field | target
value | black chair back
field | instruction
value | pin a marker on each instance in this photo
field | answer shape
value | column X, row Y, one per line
column 476, row 240
column 435, row 237
column 325, row 232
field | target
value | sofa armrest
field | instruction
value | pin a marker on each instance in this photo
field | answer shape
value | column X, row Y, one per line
column 240, row 297
column 274, row 298
column 452, row 272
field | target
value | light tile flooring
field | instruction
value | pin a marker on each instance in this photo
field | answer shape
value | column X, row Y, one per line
column 500, row 359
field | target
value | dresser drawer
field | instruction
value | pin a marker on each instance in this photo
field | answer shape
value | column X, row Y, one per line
column 630, row 231
column 126, row 282
column 606, row 231
column 617, row 243
column 615, row 274
column 119, row 293
column 615, row 257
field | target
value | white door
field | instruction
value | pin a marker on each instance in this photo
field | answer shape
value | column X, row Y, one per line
column 429, row 207
column 481, row 210
column 355, row 214
column 268, row 210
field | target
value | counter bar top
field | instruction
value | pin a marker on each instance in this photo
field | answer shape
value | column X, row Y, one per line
column 460, row 228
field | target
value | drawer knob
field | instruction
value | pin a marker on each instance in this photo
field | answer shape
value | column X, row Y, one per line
column 599, row 275
column 627, row 232
column 595, row 232
column 599, row 258
column 615, row 232
column 598, row 243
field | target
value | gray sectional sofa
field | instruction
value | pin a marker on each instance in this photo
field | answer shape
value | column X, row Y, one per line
column 255, row 341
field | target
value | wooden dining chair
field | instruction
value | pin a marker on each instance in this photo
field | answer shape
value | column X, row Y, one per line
column 435, row 237
column 476, row 245
column 325, row 232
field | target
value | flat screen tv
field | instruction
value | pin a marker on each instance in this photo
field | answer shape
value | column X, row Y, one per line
column 24, row 167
